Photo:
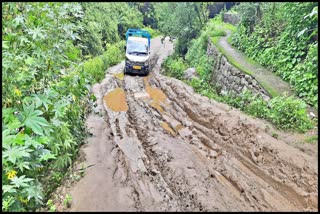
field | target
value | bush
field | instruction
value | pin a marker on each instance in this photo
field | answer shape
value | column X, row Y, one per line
column 45, row 96
column 285, row 40
column 289, row 113
column 113, row 55
column 258, row 108
column 175, row 66
column 94, row 68
column 153, row 33
column 284, row 112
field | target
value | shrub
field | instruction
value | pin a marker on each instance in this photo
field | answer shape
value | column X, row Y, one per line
column 153, row 33
column 285, row 40
column 289, row 113
column 94, row 68
column 286, row 113
column 113, row 55
column 175, row 67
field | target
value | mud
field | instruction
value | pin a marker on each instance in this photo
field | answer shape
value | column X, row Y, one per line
column 116, row 100
column 174, row 150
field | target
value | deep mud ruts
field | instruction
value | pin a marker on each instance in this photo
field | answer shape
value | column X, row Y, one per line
column 167, row 148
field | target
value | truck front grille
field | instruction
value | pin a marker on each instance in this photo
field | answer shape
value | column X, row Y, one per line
column 138, row 63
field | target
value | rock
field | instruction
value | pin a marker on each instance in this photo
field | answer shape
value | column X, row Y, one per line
column 224, row 72
column 247, row 77
column 231, row 18
column 236, row 71
column 237, row 80
column 244, row 88
column 254, row 83
column 312, row 115
column 224, row 92
column 190, row 74
column 265, row 98
column 243, row 81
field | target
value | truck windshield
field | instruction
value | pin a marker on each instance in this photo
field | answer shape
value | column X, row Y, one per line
column 137, row 47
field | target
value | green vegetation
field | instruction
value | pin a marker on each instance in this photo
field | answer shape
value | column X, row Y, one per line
column 234, row 62
column 67, row 201
column 275, row 135
column 283, row 37
column 284, row 112
column 181, row 20
column 51, row 206
column 53, row 52
column 45, row 89
column 106, row 23
column 154, row 33
column 312, row 139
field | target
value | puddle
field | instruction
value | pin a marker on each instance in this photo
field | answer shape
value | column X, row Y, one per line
column 157, row 95
column 167, row 128
column 157, row 106
column 178, row 127
column 116, row 100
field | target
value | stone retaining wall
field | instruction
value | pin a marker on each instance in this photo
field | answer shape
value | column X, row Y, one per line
column 231, row 18
column 228, row 78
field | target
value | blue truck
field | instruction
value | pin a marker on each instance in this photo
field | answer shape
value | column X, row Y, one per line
column 137, row 51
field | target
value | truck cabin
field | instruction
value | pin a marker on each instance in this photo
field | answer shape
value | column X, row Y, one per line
column 137, row 46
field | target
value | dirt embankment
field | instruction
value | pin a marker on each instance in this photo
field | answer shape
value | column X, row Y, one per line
column 158, row 146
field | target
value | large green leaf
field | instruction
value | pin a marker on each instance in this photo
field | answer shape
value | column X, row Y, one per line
column 14, row 153
column 21, row 181
column 8, row 188
column 31, row 119
column 36, row 192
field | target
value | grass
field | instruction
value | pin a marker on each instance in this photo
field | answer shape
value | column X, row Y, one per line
column 232, row 61
column 229, row 40
column 215, row 40
column 230, row 27
column 311, row 139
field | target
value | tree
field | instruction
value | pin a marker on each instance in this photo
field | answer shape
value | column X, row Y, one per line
column 182, row 20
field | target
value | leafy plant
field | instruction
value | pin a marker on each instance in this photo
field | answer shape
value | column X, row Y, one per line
column 67, row 201
column 283, row 38
column 289, row 113
column 45, row 94
column 51, row 206
column 275, row 135
column 175, row 66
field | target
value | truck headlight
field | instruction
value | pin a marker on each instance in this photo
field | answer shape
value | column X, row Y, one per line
column 128, row 62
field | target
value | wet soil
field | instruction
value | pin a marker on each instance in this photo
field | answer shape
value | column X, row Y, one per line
column 171, row 149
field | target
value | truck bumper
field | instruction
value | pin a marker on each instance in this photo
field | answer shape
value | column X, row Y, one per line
column 143, row 70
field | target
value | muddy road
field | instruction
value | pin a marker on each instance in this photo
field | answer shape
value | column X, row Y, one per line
column 158, row 146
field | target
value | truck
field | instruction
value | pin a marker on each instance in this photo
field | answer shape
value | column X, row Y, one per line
column 137, row 51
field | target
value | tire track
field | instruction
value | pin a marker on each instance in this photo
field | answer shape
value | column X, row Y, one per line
column 174, row 150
